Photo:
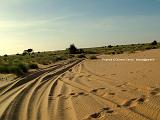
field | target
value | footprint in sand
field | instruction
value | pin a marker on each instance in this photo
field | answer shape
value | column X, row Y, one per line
column 77, row 94
column 88, row 75
column 82, row 93
column 133, row 102
column 81, row 76
column 155, row 91
column 118, row 106
column 111, row 93
column 123, row 90
column 92, row 116
column 129, row 103
column 95, row 115
column 107, row 110
column 96, row 90
column 102, row 88
column 141, row 100
column 122, row 85
column 72, row 93
column 110, row 111
column 113, row 74
column 100, row 114
column 119, row 85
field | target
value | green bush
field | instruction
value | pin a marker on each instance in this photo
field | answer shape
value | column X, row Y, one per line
column 23, row 67
column 17, row 69
column 72, row 49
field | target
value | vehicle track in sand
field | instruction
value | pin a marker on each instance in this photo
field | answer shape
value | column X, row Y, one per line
column 28, row 98
column 76, row 91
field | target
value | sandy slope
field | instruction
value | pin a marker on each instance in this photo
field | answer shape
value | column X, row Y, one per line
column 92, row 89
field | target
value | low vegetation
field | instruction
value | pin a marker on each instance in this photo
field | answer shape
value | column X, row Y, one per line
column 18, row 69
column 20, row 63
column 119, row 49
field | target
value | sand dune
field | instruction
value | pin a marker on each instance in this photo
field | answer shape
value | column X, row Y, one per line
column 87, row 90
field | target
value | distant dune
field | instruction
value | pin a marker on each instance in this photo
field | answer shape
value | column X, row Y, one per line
column 87, row 90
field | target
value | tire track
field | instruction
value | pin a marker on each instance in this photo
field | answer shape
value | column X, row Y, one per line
column 27, row 98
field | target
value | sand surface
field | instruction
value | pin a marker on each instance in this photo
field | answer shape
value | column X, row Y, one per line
column 87, row 90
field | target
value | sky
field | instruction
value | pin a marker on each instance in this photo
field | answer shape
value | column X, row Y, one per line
column 45, row 25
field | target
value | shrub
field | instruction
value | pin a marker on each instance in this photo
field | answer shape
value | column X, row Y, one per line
column 18, row 69
column 3, row 69
column 110, row 46
column 72, row 49
column 154, row 42
column 23, row 67
column 28, row 51
column 5, row 55
column 93, row 57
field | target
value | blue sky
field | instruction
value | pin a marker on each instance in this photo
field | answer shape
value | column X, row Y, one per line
column 54, row 24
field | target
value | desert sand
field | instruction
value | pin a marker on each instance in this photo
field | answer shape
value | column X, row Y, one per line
column 87, row 90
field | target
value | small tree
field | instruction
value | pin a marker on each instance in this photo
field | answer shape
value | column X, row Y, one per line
column 24, row 52
column 110, row 46
column 72, row 49
column 30, row 50
column 5, row 55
